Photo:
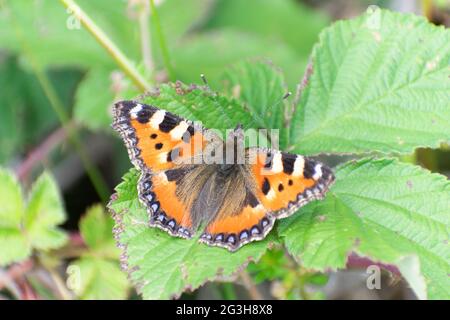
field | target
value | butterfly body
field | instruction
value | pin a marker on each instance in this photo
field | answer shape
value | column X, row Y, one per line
column 192, row 180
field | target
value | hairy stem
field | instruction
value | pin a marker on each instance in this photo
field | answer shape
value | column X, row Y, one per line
column 120, row 58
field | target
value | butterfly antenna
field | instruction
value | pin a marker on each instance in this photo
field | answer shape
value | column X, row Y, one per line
column 259, row 119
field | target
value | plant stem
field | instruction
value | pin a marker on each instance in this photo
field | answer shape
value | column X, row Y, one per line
column 121, row 60
column 39, row 153
column 59, row 284
column 427, row 9
column 250, row 286
column 55, row 102
column 15, row 271
column 92, row 172
column 162, row 40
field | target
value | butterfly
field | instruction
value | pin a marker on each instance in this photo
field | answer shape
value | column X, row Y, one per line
column 232, row 201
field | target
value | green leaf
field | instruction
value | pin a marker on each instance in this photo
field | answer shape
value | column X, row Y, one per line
column 32, row 226
column 42, row 26
column 199, row 54
column 93, row 99
column 175, row 26
column 384, row 210
column 52, row 32
column 379, row 82
column 96, row 229
column 287, row 20
column 11, row 126
column 26, row 114
column 273, row 265
column 197, row 103
column 44, row 212
column 162, row 266
column 409, row 267
column 97, row 273
column 99, row 279
column 13, row 245
column 260, row 86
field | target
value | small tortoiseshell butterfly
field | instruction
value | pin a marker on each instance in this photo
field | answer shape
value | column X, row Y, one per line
column 234, row 201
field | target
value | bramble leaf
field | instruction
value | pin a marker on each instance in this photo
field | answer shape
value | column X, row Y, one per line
column 96, row 229
column 44, row 212
column 162, row 266
column 260, row 87
column 384, row 210
column 379, row 83
column 198, row 103
column 24, row 227
column 199, row 54
column 100, row 279
column 13, row 245
column 98, row 270
column 93, row 98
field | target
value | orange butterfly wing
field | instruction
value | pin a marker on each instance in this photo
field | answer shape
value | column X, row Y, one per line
column 156, row 139
column 157, row 142
column 285, row 182
column 235, row 229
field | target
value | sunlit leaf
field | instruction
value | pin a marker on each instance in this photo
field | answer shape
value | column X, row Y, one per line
column 379, row 82
column 381, row 209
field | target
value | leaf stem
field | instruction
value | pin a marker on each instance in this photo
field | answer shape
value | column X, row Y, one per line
column 162, row 40
column 121, row 60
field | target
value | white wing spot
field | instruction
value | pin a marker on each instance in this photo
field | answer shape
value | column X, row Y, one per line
column 135, row 110
column 277, row 164
column 179, row 130
column 162, row 157
column 157, row 118
column 299, row 165
column 317, row 172
column 271, row 194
